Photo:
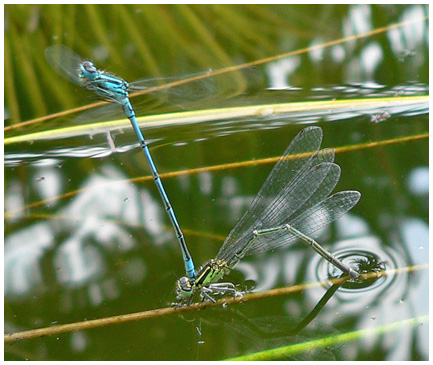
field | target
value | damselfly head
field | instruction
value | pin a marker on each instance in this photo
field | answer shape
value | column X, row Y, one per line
column 88, row 70
column 184, row 289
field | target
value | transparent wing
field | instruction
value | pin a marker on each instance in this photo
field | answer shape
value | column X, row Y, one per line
column 314, row 182
column 286, row 177
column 170, row 80
column 64, row 61
column 310, row 221
column 295, row 193
column 183, row 90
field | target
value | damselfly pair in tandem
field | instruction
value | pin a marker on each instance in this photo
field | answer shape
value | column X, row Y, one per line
column 293, row 202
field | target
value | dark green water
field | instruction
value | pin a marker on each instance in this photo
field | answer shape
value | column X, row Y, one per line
column 107, row 248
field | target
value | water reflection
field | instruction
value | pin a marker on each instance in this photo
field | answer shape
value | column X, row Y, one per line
column 261, row 333
column 418, row 181
column 84, row 242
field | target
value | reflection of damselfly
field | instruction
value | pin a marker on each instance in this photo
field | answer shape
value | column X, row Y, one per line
column 113, row 88
column 292, row 203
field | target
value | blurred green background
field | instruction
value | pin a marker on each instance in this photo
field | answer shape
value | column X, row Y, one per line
column 86, row 235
